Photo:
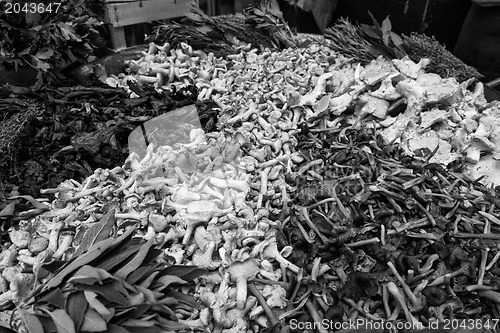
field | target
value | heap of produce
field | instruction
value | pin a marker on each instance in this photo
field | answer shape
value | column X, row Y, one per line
column 319, row 196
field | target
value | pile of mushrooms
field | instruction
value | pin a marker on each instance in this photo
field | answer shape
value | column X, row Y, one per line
column 213, row 202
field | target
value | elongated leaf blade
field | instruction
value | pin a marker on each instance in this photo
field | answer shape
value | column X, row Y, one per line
column 183, row 298
column 77, row 263
column 114, row 261
column 141, row 273
column 97, row 232
column 95, row 304
column 37, row 204
column 108, row 292
column 90, row 275
column 31, row 321
column 116, row 329
column 63, row 322
column 93, row 322
column 76, row 305
column 187, row 273
column 167, row 280
column 55, row 297
column 136, row 261
column 93, row 253
column 170, row 325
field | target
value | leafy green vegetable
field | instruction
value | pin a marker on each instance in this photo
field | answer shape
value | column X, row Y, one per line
column 97, row 232
column 99, row 292
column 50, row 41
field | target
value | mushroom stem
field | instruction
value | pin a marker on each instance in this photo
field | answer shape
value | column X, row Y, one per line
column 396, row 293
column 313, row 227
column 428, row 264
column 482, row 267
column 405, row 286
column 66, row 241
column 440, row 280
column 262, row 301
column 53, row 237
column 315, row 316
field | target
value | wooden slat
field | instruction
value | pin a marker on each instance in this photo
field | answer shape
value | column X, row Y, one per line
column 122, row 14
column 118, row 37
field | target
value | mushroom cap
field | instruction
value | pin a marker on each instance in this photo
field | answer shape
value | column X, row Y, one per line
column 248, row 268
column 484, row 143
column 132, row 195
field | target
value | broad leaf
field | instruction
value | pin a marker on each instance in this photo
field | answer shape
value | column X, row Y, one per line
column 165, row 281
column 31, row 321
column 136, row 261
column 183, row 298
column 187, row 273
column 136, row 311
column 93, row 322
column 93, row 253
column 62, row 321
column 77, row 263
column 97, row 232
column 141, row 273
column 107, row 291
column 116, row 329
column 386, row 25
column 37, row 204
column 8, row 210
column 44, row 53
column 113, row 261
column 76, row 305
column 55, row 297
column 90, row 275
column 162, row 308
column 95, row 304
column 171, row 325
column 145, row 329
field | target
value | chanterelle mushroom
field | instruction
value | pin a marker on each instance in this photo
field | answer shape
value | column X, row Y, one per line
column 240, row 272
column 478, row 145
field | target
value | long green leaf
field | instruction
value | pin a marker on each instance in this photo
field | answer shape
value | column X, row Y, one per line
column 63, row 322
column 141, row 273
column 37, row 204
column 93, row 322
column 33, row 324
column 95, row 304
column 97, row 232
column 90, row 275
column 77, row 263
column 93, row 253
column 113, row 261
column 136, row 261
column 76, row 305
column 116, row 329
column 171, row 325
column 166, row 281
column 30, row 320
column 187, row 273
column 108, row 292
column 134, row 312
column 183, row 298
column 55, row 297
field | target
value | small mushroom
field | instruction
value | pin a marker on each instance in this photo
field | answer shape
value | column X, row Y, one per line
column 241, row 272
column 65, row 240
column 270, row 251
column 477, row 146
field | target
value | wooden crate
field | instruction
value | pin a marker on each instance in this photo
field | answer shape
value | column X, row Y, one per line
column 122, row 13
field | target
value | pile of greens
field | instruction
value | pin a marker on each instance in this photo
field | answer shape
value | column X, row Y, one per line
column 47, row 42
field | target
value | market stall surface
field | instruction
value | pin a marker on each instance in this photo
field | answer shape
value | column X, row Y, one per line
column 319, row 189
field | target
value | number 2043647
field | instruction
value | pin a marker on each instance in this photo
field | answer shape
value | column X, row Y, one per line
column 30, row 7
